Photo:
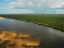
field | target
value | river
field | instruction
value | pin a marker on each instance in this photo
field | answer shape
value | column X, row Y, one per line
column 46, row 33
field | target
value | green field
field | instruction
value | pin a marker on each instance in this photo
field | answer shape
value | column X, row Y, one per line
column 54, row 21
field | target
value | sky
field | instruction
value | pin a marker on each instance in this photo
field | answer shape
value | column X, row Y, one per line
column 31, row 6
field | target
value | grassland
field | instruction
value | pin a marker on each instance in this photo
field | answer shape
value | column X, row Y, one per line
column 54, row 21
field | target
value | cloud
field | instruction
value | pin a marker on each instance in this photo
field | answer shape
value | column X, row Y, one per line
column 13, row 3
column 11, row 7
column 22, row 3
column 30, row 4
column 16, row 4
column 39, row 6
column 37, row 3
column 17, row 11
column 57, row 5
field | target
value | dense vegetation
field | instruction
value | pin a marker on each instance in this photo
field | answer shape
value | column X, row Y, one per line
column 55, row 21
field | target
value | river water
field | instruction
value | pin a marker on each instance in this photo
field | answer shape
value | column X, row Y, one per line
column 46, row 33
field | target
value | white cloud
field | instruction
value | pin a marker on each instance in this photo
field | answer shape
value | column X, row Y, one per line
column 43, row 0
column 11, row 7
column 63, row 3
column 17, row 11
column 49, row 3
column 19, row 0
column 30, row 4
column 21, row 4
column 12, row 3
column 22, row 11
column 39, row 5
column 57, row 5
